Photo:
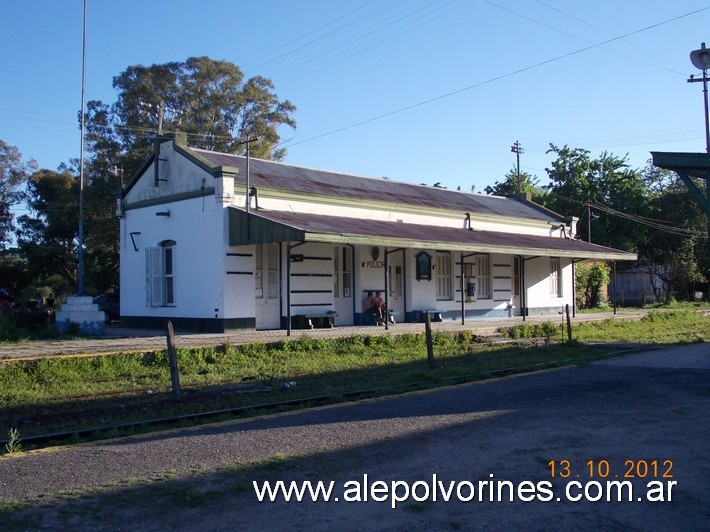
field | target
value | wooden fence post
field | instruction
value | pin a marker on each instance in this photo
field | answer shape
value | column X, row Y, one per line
column 569, row 325
column 429, row 341
column 172, row 359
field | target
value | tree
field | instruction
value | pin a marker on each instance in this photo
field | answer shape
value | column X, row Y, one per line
column 604, row 187
column 207, row 99
column 591, row 280
column 676, row 246
column 47, row 239
column 13, row 175
column 528, row 184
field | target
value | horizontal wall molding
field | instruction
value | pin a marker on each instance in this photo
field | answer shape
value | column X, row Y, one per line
column 164, row 200
column 240, row 254
column 311, row 275
column 311, row 291
column 239, row 273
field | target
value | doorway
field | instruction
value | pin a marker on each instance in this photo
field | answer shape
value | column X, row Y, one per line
column 517, row 287
column 266, row 284
column 343, row 284
column 395, row 283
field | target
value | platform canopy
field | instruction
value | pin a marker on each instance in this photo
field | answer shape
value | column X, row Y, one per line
column 689, row 166
column 693, row 164
column 281, row 226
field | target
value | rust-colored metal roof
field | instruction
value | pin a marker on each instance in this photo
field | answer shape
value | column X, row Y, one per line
column 321, row 228
column 322, row 182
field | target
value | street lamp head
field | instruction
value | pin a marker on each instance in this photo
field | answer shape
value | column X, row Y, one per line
column 701, row 58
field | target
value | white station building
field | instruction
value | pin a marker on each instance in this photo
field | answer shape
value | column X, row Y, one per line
column 214, row 243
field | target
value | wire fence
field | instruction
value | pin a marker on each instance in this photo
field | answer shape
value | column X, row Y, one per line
column 124, row 389
column 121, row 340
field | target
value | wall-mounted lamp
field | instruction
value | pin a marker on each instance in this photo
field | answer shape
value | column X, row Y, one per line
column 119, row 208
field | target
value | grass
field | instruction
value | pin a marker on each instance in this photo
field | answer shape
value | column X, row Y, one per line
column 70, row 394
column 336, row 364
column 657, row 327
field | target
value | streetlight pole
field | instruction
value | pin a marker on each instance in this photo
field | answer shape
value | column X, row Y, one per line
column 80, row 235
column 701, row 60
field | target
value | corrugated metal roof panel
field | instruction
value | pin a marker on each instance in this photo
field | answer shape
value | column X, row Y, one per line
column 374, row 232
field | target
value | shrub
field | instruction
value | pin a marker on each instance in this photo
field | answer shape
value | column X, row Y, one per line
column 591, row 281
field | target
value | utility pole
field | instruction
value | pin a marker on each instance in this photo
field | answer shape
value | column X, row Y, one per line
column 517, row 149
column 247, row 182
column 160, row 110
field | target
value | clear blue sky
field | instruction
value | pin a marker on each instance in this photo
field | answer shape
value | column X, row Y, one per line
column 594, row 74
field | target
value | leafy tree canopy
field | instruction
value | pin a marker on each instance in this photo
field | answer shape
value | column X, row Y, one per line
column 13, row 175
column 47, row 238
column 676, row 250
column 209, row 100
column 529, row 184
column 592, row 188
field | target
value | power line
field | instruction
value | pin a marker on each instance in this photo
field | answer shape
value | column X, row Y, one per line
column 426, row 14
column 299, row 32
column 645, row 49
column 492, row 80
column 336, row 30
column 661, row 225
column 529, row 19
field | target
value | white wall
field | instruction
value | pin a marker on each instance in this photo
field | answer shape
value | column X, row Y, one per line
column 537, row 280
column 314, row 273
column 199, row 259
column 239, row 294
column 451, row 220
column 421, row 295
column 180, row 175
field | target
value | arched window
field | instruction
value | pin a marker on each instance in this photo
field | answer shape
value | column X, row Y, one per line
column 160, row 274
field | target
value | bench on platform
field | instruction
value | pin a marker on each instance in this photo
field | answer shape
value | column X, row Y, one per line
column 371, row 318
column 320, row 320
column 420, row 315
